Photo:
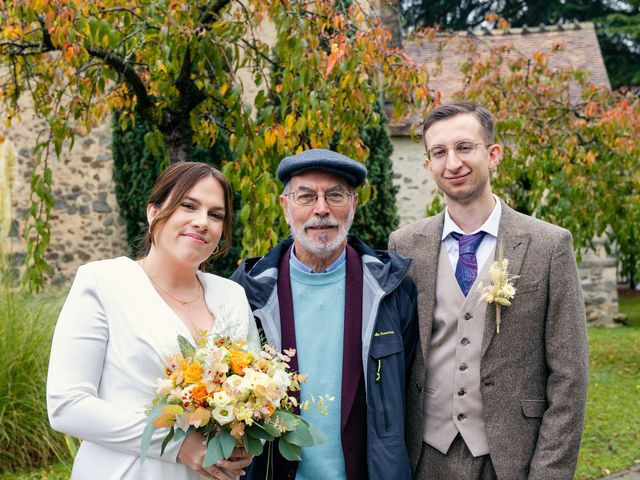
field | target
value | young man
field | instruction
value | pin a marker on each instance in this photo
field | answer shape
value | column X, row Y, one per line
column 349, row 312
column 491, row 403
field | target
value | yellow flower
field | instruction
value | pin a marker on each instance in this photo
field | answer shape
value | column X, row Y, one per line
column 168, row 416
column 193, row 373
column 238, row 361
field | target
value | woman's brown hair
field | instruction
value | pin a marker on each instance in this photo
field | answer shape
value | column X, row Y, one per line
column 170, row 188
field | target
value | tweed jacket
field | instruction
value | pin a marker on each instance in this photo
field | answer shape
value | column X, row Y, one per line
column 533, row 374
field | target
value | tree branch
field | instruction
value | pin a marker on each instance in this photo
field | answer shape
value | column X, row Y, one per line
column 190, row 95
column 211, row 14
column 255, row 48
column 129, row 74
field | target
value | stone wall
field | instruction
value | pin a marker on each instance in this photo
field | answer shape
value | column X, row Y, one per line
column 416, row 187
column 598, row 274
column 85, row 223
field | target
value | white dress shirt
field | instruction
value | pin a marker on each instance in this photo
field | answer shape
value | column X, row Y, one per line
column 488, row 243
column 110, row 344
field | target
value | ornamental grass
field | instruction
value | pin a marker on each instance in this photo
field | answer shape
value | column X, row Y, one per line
column 26, row 328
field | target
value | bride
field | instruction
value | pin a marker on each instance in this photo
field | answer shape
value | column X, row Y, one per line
column 121, row 320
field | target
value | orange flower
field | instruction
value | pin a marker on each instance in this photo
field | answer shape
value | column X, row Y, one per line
column 200, row 394
column 237, row 431
column 193, row 373
column 239, row 360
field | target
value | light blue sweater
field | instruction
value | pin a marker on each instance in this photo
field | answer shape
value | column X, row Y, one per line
column 318, row 309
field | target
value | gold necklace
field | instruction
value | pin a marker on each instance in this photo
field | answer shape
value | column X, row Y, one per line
column 186, row 303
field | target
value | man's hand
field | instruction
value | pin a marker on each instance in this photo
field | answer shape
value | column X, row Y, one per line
column 192, row 453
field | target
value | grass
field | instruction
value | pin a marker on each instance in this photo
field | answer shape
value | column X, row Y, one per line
column 26, row 327
column 57, row 471
column 611, row 435
column 630, row 306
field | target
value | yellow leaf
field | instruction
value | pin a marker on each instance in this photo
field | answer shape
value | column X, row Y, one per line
column 288, row 122
column 223, row 89
column 269, row 138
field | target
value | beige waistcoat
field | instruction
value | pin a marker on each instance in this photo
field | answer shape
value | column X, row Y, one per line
column 453, row 402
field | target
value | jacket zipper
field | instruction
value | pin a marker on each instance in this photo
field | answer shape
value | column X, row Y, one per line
column 384, row 404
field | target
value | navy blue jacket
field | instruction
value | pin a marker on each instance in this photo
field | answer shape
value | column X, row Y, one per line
column 389, row 338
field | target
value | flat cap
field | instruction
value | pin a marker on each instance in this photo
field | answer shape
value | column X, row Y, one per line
column 324, row 160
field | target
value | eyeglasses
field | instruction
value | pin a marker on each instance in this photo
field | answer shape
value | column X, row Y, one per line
column 464, row 150
column 334, row 198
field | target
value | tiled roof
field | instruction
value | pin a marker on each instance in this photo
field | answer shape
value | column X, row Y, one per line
column 581, row 51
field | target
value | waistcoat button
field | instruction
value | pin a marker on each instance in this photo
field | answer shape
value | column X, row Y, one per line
column 461, row 392
column 465, row 341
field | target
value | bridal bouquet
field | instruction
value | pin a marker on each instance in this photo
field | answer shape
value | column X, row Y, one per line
column 233, row 396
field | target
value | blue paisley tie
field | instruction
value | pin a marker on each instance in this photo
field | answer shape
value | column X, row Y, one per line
column 467, row 267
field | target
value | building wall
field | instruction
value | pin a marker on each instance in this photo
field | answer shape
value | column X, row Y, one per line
column 85, row 221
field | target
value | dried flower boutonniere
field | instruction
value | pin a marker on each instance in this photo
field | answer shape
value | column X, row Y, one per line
column 500, row 290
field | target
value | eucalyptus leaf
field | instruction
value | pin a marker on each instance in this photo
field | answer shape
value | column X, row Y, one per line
column 301, row 436
column 180, row 434
column 227, row 442
column 287, row 419
column 258, row 432
column 252, row 445
column 289, row 451
column 214, row 452
column 318, row 436
column 186, row 347
column 147, row 434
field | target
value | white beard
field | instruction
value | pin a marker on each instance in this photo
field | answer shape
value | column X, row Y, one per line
column 323, row 247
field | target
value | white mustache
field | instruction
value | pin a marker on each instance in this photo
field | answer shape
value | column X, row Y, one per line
column 321, row 222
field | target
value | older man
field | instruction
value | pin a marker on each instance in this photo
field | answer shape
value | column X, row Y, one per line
column 491, row 400
column 350, row 314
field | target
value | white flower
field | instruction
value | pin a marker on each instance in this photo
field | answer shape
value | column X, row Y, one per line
column 164, row 386
column 509, row 290
column 223, row 415
column 282, row 379
column 221, row 399
column 253, row 378
column 175, row 395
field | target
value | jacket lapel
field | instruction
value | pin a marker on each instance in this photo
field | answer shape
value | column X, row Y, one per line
column 428, row 244
column 514, row 243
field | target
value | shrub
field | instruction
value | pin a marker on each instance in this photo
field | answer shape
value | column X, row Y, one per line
column 26, row 328
column 375, row 220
